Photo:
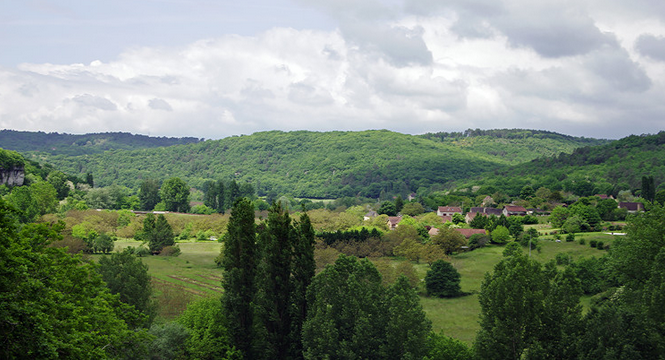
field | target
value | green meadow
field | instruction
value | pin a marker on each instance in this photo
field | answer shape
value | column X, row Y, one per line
column 193, row 274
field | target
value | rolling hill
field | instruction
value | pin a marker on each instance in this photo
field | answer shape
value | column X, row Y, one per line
column 321, row 164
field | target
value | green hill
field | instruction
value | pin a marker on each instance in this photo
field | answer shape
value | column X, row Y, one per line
column 317, row 164
column 73, row 145
column 602, row 169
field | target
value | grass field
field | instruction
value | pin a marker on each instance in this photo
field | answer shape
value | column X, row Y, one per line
column 193, row 274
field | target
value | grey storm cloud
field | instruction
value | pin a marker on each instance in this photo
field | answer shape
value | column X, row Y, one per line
column 159, row 104
column 95, row 102
column 651, row 46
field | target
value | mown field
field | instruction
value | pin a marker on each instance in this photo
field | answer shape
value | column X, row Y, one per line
column 193, row 274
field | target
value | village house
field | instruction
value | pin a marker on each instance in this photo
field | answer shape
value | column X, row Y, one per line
column 393, row 222
column 632, row 207
column 448, row 210
column 513, row 210
column 487, row 211
column 470, row 232
column 370, row 215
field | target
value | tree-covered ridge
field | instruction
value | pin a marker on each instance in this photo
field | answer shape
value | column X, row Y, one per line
column 69, row 144
column 514, row 146
column 604, row 169
column 301, row 163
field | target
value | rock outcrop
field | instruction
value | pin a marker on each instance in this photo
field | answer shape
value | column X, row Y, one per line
column 13, row 176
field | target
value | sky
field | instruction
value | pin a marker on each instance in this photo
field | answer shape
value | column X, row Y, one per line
column 216, row 68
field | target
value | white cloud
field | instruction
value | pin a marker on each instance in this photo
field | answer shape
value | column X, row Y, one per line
column 575, row 67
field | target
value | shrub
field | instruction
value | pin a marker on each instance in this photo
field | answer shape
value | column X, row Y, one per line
column 570, row 237
column 600, row 245
column 582, row 241
column 170, row 251
column 442, row 280
column 563, row 259
column 478, row 241
column 592, row 243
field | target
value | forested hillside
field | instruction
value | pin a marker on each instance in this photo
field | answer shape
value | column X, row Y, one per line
column 515, row 146
column 320, row 165
column 605, row 169
column 72, row 145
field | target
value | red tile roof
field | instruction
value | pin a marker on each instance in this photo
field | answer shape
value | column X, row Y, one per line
column 469, row 232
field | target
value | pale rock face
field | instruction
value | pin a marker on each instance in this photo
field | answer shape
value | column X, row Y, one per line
column 14, row 176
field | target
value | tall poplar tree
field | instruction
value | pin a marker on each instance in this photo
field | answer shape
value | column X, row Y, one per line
column 274, row 285
column 239, row 263
column 304, row 268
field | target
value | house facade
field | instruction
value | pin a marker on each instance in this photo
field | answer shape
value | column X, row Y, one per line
column 448, row 210
column 512, row 210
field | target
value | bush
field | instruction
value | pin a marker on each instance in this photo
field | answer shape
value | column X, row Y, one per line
column 570, row 237
column 170, row 251
column 600, row 245
column 582, row 241
column 593, row 243
column 478, row 241
column 563, row 259
column 442, row 280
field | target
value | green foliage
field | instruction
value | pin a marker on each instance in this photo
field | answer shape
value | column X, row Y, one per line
column 169, row 341
column 442, row 280
column 149, row 194
column 413, row 209
column 313, row 164
column 53, row 305
column 387, row 208
column 208, row 336
column 103, row 243
column 175, row 195
column 449, row 240
column 158, row 233
column 126, row 275
column 274, row 286
column 74, row 145
column 500, row 235
column 239, row 263
column 352, row 316
column 10, row 159
column 407, row 327
column 441, row 347
column 526, row 311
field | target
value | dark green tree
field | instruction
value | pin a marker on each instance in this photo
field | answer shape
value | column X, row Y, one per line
column 126, row 275
column 347, row 317
column 149, row 194
column 408, row 326
column 161, row 236
column 648, row 188
column 208, row 337
column 89, row 180
column 239, row 263
column 442, row 280
column 54, row 305
column 660, row 197
column 303, row 270
column 399, row 203
column 527, row 192
column 232, row 192
column 175, row 195
column 59, row 182
column 274, row 285
column 511, row 301
column 388, row 208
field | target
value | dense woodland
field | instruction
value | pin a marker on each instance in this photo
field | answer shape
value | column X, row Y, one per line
column 310, row 279
column 318, row 165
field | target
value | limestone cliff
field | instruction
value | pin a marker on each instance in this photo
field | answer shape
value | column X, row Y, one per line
column 12, row 176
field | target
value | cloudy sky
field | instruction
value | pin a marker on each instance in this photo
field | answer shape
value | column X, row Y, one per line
column 215, row 68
